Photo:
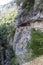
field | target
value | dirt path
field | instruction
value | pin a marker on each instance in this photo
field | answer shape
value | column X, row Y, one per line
column 37, row 61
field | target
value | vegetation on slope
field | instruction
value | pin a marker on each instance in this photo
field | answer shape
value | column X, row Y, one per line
column 7, row 31
column 26, row 4
column 36, row 43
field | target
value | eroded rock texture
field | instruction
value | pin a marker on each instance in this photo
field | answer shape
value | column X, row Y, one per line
column 23, row 27
column 22, row 35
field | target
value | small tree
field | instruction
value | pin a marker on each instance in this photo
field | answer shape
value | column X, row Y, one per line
column 5, row 32
column 36, row 42
column 3, row 35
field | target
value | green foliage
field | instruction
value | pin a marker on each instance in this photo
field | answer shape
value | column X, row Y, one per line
column 27, row 4
column 30, row 4
column 8, row 15
column 36, row 43
column 5, row 32
column 7, row 28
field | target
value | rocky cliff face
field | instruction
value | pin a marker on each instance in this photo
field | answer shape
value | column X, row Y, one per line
column 23, row 26
column 22, row 35
column 33, row 14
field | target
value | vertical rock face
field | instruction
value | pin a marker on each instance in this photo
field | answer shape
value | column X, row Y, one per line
column 22, row 17
column 22, row 34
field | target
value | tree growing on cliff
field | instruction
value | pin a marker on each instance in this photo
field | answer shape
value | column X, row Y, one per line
column 36, row 43
column 25, row 3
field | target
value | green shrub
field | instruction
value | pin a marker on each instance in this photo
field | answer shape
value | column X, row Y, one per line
column 36, row 43
column 5, row 32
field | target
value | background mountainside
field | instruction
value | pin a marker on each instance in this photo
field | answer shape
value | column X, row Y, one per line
column 7, row 6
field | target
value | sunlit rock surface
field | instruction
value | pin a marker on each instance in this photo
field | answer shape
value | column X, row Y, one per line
column 24, row 22
column 22, row 36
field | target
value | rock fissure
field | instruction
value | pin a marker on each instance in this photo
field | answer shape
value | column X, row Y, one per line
column 24, row 22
